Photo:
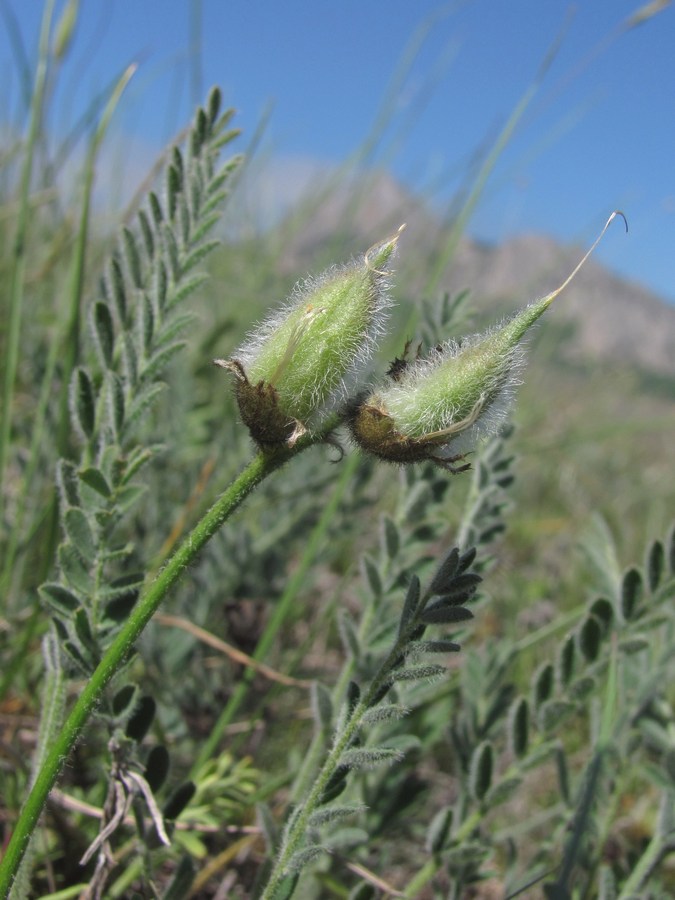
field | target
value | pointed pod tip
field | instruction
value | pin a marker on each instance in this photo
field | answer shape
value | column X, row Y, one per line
column 381, row 249
column 549, row 298
column 617, row 212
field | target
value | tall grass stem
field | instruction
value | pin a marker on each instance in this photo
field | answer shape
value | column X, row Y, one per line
column 18, row 268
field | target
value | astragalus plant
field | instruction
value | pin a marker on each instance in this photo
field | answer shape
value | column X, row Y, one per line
column 303, row 378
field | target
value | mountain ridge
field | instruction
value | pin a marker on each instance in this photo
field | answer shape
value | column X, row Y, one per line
column 613, row 318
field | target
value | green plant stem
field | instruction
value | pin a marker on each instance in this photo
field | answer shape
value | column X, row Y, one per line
column 19, row 262
column 65, row 348
column 657, row 849
column 281, row 611
column 447, row 252
column 459, row 225
column 422, row 877
column 67, row 893
column 261, row 466
column 133, row 868
column 30, row 628
column 298, row 827
column 432, row 866
column 310, row 763
column 12, row 573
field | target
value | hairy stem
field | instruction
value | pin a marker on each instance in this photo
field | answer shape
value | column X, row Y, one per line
column 278, row 617
column 310, row 763
column 261, row 466
column 298, row 826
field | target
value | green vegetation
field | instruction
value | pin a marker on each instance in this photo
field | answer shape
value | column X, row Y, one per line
column 374, row 680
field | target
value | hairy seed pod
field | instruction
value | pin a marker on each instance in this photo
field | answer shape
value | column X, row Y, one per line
column 301, row 362
column 458, row 391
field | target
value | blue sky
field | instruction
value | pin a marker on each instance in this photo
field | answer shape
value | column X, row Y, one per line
column 599, row 135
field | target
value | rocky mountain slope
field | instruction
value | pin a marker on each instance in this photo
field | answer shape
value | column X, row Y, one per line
column 612, row 318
